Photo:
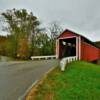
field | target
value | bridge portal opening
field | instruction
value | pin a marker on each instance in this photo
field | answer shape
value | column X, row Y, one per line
column 67, row 47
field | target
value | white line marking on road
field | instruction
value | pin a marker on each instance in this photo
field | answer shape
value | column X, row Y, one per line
column 27, row 91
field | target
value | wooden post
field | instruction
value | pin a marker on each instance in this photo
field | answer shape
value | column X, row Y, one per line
column 79, row 48
column 57, row 48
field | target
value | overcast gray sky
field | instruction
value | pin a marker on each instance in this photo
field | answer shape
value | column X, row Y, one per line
column 82, row 16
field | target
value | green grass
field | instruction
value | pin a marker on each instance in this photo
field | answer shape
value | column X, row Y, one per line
column 80, row 81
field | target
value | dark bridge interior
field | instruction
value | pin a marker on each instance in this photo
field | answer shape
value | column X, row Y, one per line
column 68, row 47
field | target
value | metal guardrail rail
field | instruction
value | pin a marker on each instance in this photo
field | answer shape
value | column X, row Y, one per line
column 63, row 62
column 43, row 57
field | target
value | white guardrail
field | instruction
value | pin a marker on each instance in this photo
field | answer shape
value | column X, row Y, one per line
column 43, row 57
column 66, row 60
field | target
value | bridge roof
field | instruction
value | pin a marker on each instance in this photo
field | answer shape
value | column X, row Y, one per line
column 84, row 37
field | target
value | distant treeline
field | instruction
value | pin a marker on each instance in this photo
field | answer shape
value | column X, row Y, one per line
column 22, row 48
column 98, row 43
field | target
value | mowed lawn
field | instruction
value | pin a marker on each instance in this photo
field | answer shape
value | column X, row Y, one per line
column 80, row 81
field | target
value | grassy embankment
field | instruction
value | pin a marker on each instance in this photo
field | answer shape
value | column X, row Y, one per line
column 80, row 81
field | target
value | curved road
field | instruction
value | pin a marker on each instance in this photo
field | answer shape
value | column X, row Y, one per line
column 16, row 77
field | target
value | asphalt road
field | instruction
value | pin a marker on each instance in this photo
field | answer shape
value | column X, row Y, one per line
column 16, row 77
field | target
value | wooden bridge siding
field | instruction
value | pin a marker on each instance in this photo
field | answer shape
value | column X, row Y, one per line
column 89, row 52
column 67, row 34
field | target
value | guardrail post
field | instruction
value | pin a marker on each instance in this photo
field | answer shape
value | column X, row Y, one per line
column 66, row 60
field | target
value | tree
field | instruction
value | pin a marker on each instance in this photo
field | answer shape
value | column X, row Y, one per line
column 98, row 43
column 41, row 41
column 23, row 51
column 21, row 24
column 55, row 30
column 3, row 41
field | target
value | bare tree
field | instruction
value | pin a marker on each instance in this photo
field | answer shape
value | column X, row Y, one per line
column 55, row 31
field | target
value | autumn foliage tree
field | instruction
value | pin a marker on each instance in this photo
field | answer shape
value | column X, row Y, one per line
column 23, row 51
column 3, row 42
column 21, row 26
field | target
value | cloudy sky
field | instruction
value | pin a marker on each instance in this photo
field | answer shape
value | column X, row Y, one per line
column 82, row 16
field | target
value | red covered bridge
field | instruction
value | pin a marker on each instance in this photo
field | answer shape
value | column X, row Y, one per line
column 71, row 44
